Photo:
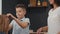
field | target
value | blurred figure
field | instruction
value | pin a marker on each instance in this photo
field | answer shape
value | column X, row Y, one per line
column 20, row 24
column 53, row 19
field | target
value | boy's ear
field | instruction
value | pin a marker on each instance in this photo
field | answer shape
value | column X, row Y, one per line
column 25, row 13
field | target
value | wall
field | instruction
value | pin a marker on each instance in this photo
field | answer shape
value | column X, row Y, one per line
column 37, row 15
column 0, row 7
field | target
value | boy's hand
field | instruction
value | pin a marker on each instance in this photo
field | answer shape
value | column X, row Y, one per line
column 10, row 15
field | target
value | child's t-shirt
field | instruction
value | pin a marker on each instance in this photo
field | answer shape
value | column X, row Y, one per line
column 18, row 29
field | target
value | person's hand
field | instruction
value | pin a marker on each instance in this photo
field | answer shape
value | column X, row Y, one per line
column 10, row 15
column 58, row 32
column 39, row 30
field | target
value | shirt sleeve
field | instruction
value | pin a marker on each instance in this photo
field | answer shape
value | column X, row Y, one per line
column 27, row 20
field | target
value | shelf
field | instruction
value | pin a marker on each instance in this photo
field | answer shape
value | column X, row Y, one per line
column 39, row 7
column 37, row 3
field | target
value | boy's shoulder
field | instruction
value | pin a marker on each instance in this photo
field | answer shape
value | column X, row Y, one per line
column 13, row 21
column 26, row 18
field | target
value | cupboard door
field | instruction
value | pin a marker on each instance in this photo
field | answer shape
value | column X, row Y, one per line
column 33, row 3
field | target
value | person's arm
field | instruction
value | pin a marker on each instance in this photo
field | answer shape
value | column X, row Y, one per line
column 45, row 28
column 10, row 27
column 22, row 24
column 42, row 29
column 58, row 32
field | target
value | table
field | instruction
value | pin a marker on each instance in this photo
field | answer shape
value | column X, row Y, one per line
column 36, row 33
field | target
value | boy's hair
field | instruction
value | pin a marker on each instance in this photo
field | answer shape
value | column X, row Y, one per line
column 21, row 6
column 57, row 2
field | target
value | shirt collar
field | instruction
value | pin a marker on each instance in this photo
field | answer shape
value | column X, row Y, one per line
column 23, row 18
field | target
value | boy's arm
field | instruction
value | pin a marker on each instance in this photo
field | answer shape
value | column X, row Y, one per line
column 22, row 24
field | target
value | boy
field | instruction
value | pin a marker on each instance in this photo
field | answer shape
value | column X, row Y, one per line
column 20, row 24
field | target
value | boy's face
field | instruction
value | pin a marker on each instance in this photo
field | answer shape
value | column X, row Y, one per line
column 20, row 12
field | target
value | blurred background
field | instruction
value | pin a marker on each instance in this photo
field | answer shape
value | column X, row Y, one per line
column 37, row 11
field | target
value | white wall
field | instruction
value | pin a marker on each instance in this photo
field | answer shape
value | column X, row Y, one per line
column 0, row 7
